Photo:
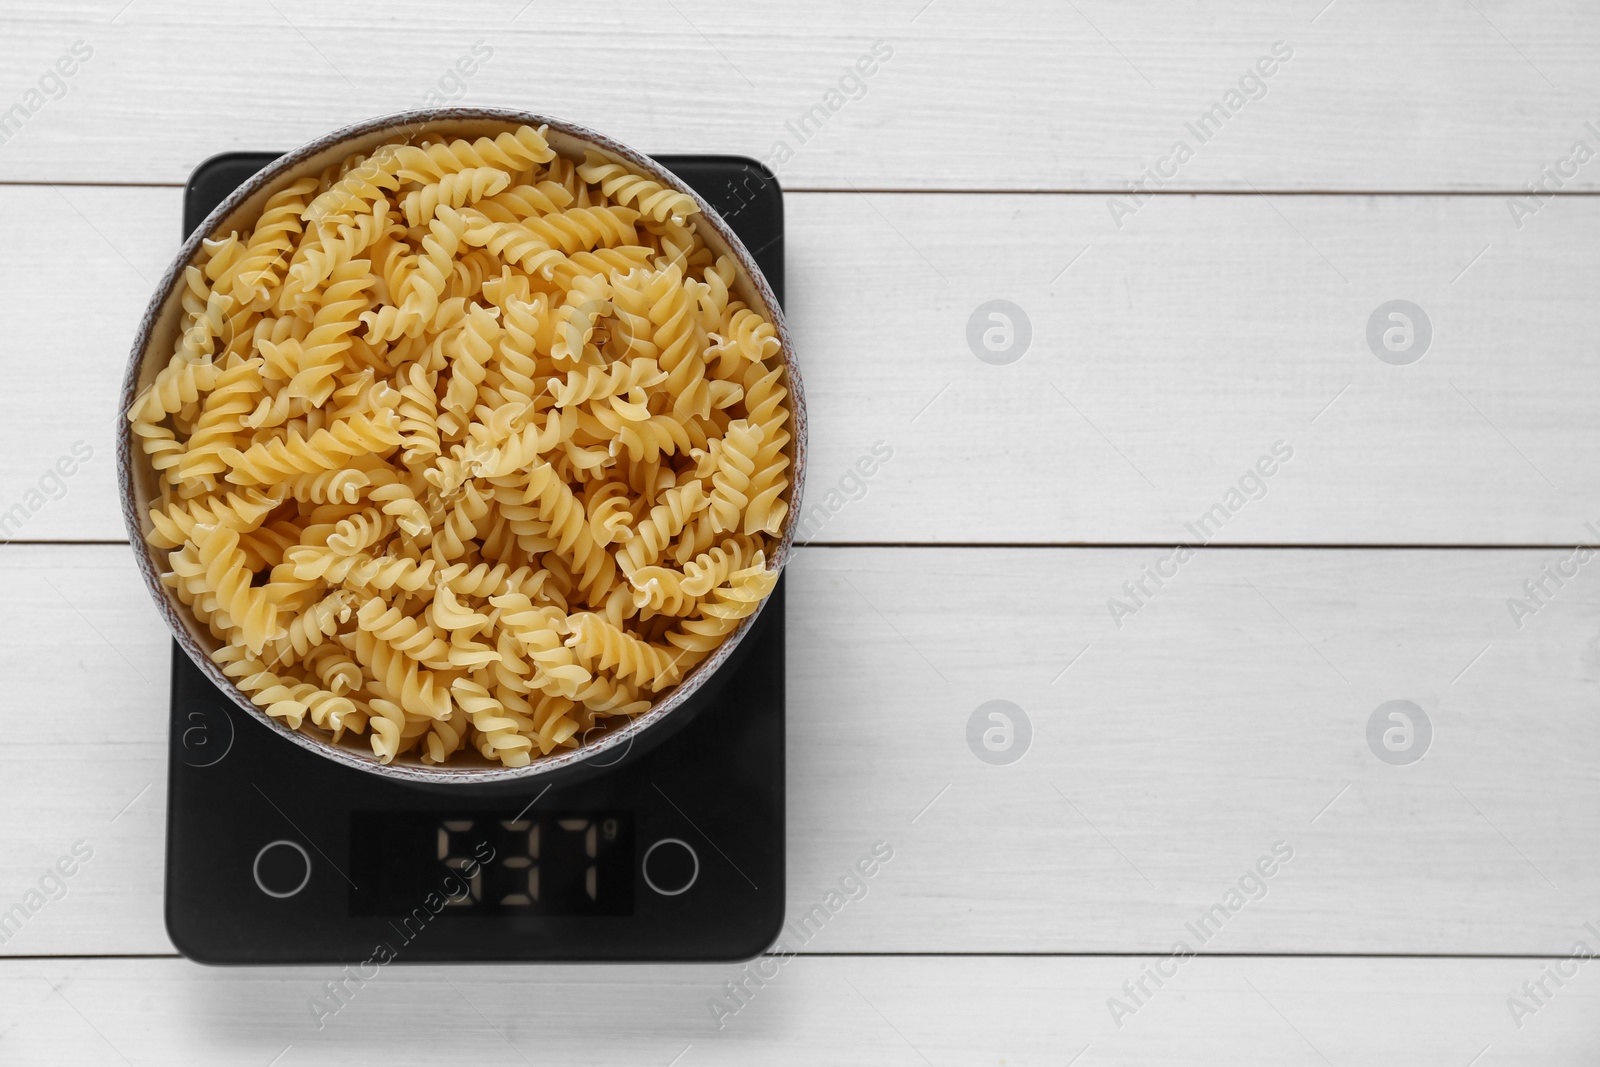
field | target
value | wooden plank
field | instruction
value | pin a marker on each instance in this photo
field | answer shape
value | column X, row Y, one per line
column 1047, row 96
column 874, row 1011
column 1167, row 756
column 1156, row 377
column 66, row 351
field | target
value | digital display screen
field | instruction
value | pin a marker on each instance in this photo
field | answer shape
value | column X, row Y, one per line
column 561, row 863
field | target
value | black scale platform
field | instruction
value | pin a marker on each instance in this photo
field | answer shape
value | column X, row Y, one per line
column 675, row 851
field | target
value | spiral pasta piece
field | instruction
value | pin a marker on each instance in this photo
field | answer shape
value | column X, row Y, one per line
column 763, row 398
column 424, row 286
column 500, row 734
column 665, row 521
column 323, row 350
column 625, row 187
column 600, row 383
column 736, row 461
column 310, row 628
column 325, row 449
column 265, row 689
column 511, row 152
column 698, row 637
column 256, row 276
column 587, row 302
column 665, row 591
column 610, row 512
column 247, row 610
column 611, row 648
column 453, row 190
column 222, row 415
column 173, row 525
column 469, row 350
column 330, row 664
column 355, row 193
column 341, row 486
column 558, row 506
column 347, row 241
column 398, row 678
column 357, row 532
column 179, row 383
column 525, row 201
column 404, row 633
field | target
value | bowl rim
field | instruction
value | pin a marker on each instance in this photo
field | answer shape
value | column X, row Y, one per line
column 186, row 629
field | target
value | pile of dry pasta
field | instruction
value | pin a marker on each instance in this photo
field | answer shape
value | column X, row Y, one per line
column 467, row 444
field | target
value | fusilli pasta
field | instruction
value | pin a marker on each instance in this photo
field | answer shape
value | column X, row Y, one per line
column 466, row 447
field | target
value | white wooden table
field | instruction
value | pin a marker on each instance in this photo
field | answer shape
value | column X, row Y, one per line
column 1172, row 746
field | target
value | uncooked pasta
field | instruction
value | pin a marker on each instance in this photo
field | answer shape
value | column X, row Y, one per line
column 467, row 446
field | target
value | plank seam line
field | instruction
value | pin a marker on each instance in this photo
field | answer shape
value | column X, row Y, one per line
column 1353, row 546
column 1241, row 546
column 912, row 955
column 975, row 191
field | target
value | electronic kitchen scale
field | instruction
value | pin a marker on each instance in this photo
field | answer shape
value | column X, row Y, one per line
column 674, row 851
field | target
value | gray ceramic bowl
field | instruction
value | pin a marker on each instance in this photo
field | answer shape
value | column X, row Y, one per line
column 157, row 337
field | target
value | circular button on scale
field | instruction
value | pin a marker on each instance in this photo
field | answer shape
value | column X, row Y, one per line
column 282, row 868
column 671, row 866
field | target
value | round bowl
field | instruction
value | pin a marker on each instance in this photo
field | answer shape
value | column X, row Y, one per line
column 157, row 335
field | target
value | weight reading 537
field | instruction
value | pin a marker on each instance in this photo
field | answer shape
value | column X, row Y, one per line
column 565, row 863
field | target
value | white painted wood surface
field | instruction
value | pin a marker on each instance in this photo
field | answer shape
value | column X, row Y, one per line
column 1227, row 715
column 1164, row 362
column 1033, row 95
column 848, row 1011
column 1169, row 753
